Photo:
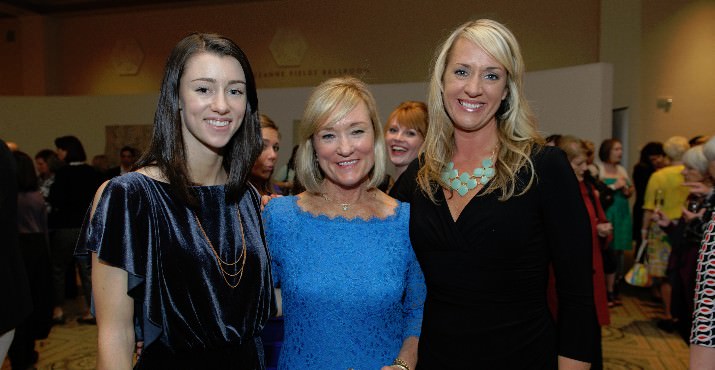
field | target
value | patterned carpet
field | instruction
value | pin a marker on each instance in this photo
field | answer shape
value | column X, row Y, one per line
column 631, row 342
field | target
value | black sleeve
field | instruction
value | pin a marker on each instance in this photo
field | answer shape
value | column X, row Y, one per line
column 568, row 233
column 405, row 186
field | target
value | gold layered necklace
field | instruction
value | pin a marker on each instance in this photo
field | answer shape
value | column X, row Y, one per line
column 228, row 265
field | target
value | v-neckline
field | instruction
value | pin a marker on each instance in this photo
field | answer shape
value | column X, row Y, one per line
column 469, row 203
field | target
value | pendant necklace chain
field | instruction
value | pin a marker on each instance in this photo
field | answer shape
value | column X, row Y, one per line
column 467, row 181
column 221, row 263
column 344, row 206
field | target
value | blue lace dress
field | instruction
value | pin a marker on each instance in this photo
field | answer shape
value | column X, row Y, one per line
column 352, row 289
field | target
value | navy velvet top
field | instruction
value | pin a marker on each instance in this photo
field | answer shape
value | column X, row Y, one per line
column 186, row 311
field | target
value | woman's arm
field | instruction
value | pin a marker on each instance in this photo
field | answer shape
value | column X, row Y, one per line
column 567, row 230
column 408, row 354
column 701, row 357
column 115, row 312
column 566, row 363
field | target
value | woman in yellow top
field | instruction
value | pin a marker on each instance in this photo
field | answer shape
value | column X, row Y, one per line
column 665, row 192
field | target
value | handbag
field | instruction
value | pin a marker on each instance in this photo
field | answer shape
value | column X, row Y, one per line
column 638, row 274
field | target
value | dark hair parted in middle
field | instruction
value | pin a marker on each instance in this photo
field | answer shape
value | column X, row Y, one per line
column 167, row 145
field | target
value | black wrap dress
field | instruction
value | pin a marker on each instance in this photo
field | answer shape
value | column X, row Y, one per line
column 487, row 273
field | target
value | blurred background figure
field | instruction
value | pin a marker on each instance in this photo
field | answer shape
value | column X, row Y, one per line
column 127, row 157
column 262, row 170
column 652, row 158
column 284, row 177
column 100, row 163
column 33, row 246
column 601, row 231
column 47, row 164
column 615, row 177
column 553, row 140
column 70, row 196
column 405, row 132
column 12, row 146
column 590, row 159
column 685, row 235
column 664, row 193
column 14, row 288
column 702, row 337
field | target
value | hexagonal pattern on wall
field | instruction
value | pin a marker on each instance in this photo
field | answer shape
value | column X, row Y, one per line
column 288, row 47
column 127, row 56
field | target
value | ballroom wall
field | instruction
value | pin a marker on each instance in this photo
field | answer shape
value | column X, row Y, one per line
column 657, row 49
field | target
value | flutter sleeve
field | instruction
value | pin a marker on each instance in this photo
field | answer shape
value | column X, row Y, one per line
column 568, row 233
column 119, row 230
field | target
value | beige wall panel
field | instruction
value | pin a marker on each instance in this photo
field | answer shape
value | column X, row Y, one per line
column 385, row 41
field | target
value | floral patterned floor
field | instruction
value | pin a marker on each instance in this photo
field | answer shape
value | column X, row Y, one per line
column 632, row 341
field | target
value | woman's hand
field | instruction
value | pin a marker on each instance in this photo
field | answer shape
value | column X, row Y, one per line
column 697, row 188
column 605, row 229
column 689, row 216
column 660, row 218
column 267, row 198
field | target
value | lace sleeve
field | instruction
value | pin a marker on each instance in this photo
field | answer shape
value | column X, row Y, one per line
column 414, row 297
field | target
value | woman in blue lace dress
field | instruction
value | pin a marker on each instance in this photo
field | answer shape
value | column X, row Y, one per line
column 352, row 288
column 179, row 261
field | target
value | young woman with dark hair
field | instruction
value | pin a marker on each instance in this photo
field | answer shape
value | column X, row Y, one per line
column 181, row 269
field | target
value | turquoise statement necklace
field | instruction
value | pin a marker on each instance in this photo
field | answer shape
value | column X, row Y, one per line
column 466, row 181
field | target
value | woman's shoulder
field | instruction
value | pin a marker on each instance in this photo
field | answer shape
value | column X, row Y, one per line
column 544, row 156
column 550, row 163
column 280, row 206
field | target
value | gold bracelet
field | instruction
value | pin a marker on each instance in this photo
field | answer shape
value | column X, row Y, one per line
column 401, row 364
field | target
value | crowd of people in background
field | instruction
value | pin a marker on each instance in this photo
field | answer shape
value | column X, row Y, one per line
column 54, row 192
column 185, row 254
column 673, row 183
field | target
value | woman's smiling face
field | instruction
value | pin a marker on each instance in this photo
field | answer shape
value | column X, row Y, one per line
column 474, row 86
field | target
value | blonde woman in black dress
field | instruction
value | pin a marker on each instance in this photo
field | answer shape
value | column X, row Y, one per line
column 491, row 210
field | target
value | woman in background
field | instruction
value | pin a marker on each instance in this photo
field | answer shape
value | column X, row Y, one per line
column 611, row 173
column 652, row 158
column 404, row 134
column 351, row 286
column 284, row 177
column 47, row 164
column 33, row 245
column 685, row 235
column 601, row 230
column 70, row 196
column 262, row 169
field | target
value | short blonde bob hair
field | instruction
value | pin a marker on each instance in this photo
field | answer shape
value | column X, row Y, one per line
column 516, row 124
column 330, row 102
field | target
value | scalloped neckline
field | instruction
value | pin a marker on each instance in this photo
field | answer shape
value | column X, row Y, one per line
column 338, row 217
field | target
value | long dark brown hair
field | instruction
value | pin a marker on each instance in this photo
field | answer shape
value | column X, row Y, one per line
column 167, row 151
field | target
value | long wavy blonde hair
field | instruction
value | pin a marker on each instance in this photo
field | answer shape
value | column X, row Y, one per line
column 516, row 125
